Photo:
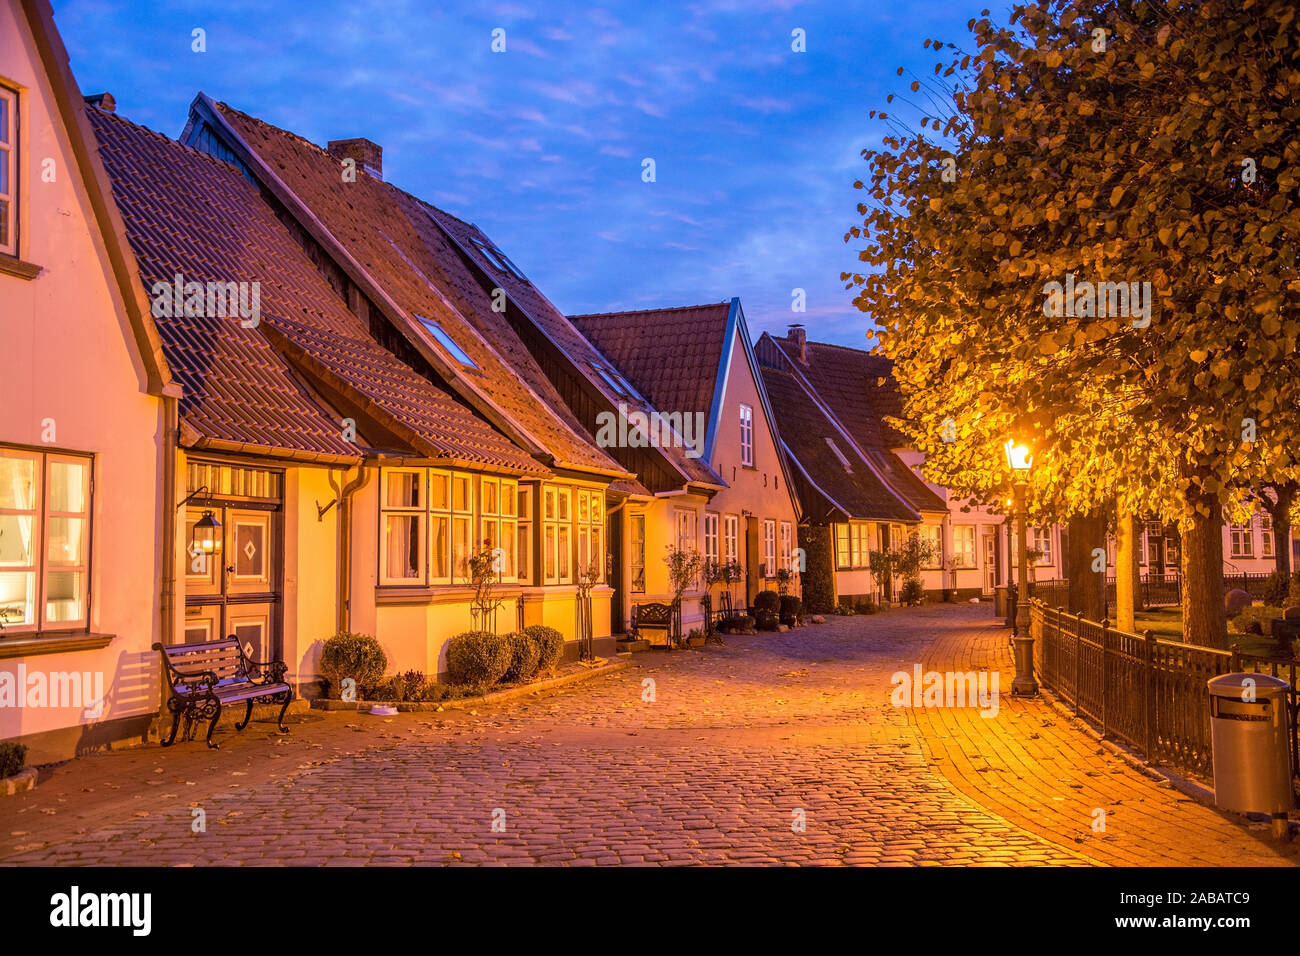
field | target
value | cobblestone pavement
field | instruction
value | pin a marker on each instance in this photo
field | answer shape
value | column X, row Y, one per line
column 737, row 747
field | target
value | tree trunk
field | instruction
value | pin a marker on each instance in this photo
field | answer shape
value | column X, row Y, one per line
column 1205, row 620
column 1087, row 587
column 1128, row 581
column 1280, row 512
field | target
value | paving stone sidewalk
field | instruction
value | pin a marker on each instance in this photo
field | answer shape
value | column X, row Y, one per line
column 718, row 759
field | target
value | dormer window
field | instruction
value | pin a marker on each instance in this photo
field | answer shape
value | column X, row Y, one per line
column 447, row 342
column 830, row 442
column 498, row 258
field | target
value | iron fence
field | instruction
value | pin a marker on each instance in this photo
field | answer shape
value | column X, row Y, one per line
column 1147, row 692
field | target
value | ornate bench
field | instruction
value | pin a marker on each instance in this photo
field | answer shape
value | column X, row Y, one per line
column 657, row 617
column 210, row 674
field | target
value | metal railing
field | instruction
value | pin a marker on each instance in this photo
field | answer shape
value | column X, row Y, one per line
column 1147, row 692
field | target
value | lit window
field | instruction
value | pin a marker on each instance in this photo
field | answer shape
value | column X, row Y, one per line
column 8, row 171
column 1243, row 542
column 963, row 545
column 44, row 538
column 786, row 543
column 427, row 521
column 447, row 342
column 637, row 560
column 731, row 537
column 1041, row 540
column 933, row 535
column 769, row 548
column 498, row 258
column 1266, row 536
column 746, row 436
column 710, row 536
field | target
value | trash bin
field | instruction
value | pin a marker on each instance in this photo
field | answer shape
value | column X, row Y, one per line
column 1250, row 728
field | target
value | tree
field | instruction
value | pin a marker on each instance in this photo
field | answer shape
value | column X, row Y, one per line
column 1084, row 145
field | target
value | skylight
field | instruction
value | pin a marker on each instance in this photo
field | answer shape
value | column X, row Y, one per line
column 613, row 379
column 839, row 454
column 447, row 342
column 497, row 258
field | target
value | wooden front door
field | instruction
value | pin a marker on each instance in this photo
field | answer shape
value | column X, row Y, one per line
column 236, row 591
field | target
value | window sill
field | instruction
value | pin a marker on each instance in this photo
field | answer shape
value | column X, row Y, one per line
column 32, row 645
column 12, row 265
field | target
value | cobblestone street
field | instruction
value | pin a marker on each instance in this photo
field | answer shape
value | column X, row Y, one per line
column 739, row 743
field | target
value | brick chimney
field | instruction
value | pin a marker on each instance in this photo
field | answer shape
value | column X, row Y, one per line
column 368, row 156
column 800, row 338
column 104, row 101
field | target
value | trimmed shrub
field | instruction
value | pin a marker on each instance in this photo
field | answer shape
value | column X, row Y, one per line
column 912, row 593
column 864, row 606
column 766, row 620
column 525, row 656
column 358, row 656
column 478, row 658
column 1254, row 619
column 767, row 601
column 817, row 581
column 743, row 624
column 550, row 645
column 1277, row 589
column 844, row 610
column 791, row 610
column 388, row 689
column 12, row 756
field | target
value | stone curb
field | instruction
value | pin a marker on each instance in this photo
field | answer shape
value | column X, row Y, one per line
column 481, row 700
column 22, row 780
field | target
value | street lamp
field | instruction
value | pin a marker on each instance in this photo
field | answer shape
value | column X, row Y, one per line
column 1020, row 459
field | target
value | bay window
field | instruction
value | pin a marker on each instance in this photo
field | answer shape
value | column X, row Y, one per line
column 44, row 540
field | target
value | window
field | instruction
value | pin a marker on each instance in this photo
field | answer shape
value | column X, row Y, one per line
column 591, row 531
column 932, row 534
column 1041, row 540
column 615, row 381
column 428, row 520
column 731, row 537
column 557, row 534
column 447, row 342
column 710, row 536
column 498, row 258
column 687, row 538
column 44, row 539
column 963, row 545
column 8, row 171
column 524, row 535
column 1266, row 536
column 746, row 436
column 839, row 455
column 853, row 545
column 1243, row 543
column 769, row 548
column 637, row 557
column 786, row 544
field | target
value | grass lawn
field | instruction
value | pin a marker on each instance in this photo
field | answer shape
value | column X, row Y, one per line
column 1166, row 623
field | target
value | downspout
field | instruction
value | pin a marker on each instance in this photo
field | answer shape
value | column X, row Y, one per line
column 167, row 599
column 345, row 544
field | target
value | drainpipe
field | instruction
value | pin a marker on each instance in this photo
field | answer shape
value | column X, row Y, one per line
column 345, row 543
column 167, row 598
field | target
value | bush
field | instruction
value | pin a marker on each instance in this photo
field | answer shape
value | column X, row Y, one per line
column 525, row 656
column 478, row 658
column 550, row 645
column 1293, row 593
column 413, row 685
column 865, row 606
column 358, row 656
column 695, row 634
column 12, row 756
column 1277, row 589
column 817, row 580
column 1254, row 619
column 791, row 610
column 766, row 620
column 767, row 601
column 743, row 624
column 845, row 609
column 912, row 593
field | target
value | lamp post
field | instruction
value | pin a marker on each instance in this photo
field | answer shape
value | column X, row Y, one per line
column 1020, row 459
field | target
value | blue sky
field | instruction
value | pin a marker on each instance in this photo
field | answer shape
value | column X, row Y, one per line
column 755, row 146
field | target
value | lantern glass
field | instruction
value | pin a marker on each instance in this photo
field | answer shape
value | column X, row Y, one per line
column 1019, row 457
column 204, row 538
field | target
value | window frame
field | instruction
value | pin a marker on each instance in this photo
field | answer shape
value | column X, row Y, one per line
column 746, row 435
column 10, row 158
column 1266, row 537
column 41, row 567
column 769, row 547
column 712, row 539
column 444, row 339
column 958, row 552
column 934, row 534
column 731, row 537
column 1240, row 534
column 787, row 544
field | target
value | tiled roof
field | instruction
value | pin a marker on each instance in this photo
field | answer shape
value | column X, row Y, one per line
column 191, row 214
column 861, row 392
column 392, row 237
column 804, row 429
column 569, row 339
column 671, row 356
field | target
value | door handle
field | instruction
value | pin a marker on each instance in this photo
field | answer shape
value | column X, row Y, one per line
column 230, row 569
